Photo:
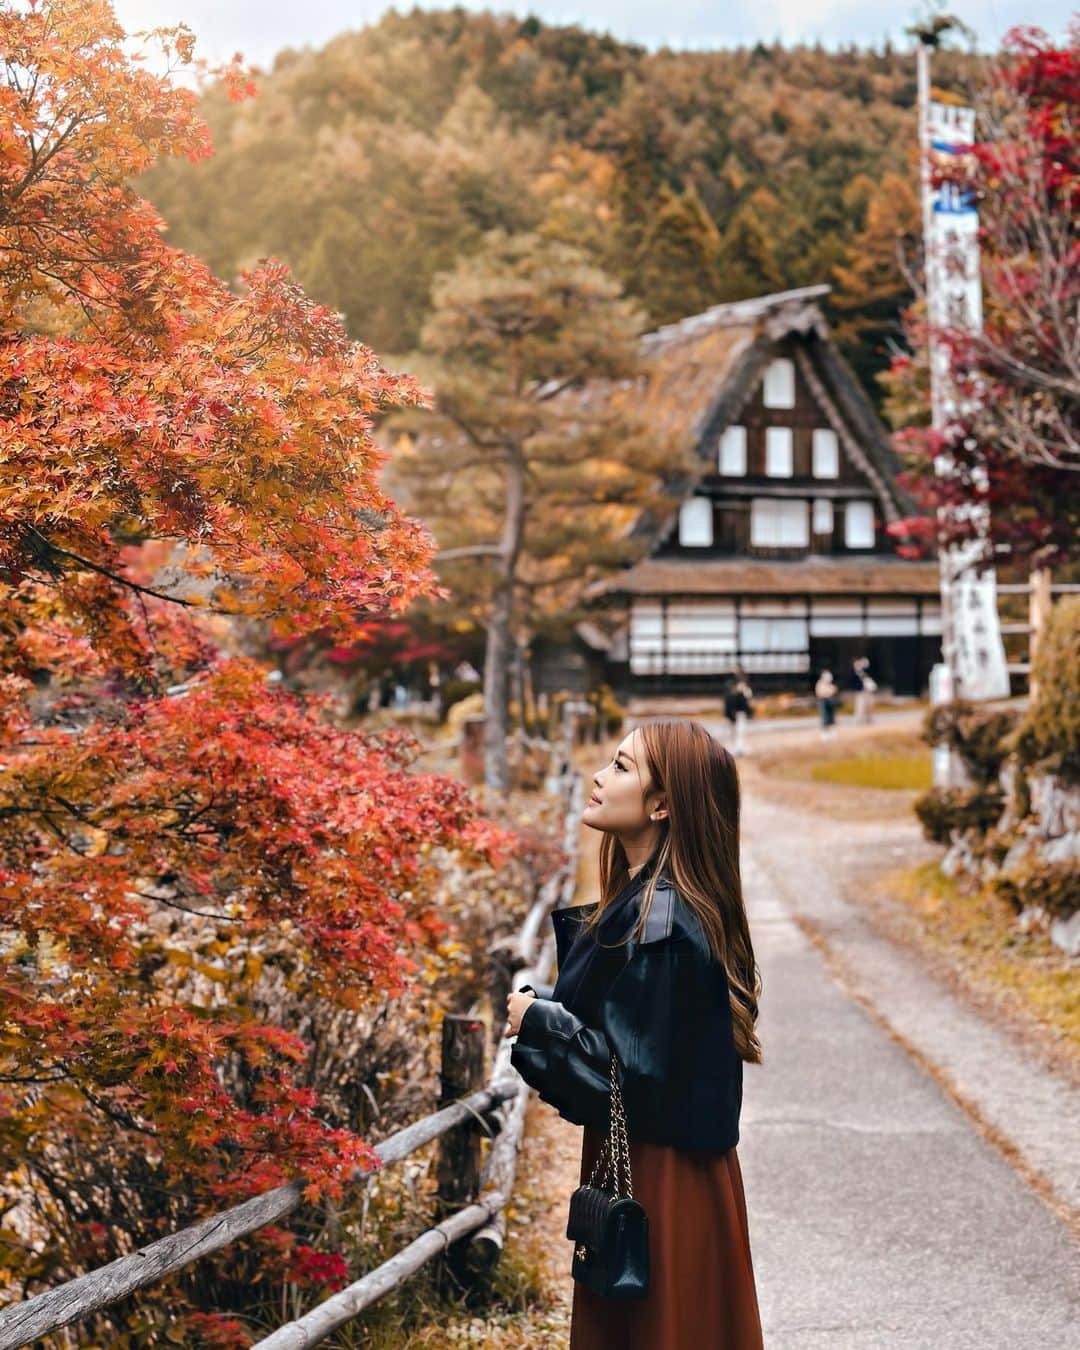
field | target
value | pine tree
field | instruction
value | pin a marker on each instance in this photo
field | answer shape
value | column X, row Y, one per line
column 748, row 263
column 528, row 486
column 677, row 267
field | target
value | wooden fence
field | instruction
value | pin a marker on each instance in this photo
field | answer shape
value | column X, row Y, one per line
column 1041, row 591
column 471, row 1201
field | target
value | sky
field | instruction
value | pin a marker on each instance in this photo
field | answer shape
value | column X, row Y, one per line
column 259, row 28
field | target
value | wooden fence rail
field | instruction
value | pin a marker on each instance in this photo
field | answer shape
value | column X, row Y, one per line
column 21, row 1323
column 1041, row 592
column 37, row 1316
column 485, row 1218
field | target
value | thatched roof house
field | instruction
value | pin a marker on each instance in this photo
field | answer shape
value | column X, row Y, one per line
column 773, row 555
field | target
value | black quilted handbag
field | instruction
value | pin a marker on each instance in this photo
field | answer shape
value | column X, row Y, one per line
column 610, row 1229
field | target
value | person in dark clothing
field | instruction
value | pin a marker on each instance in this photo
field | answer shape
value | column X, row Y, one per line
column 660, row 973
column 738, row 708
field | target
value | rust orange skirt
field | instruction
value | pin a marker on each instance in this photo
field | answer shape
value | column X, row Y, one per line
column 702, row 1294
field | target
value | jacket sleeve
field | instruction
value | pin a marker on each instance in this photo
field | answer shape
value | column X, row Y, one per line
column 569, row 1063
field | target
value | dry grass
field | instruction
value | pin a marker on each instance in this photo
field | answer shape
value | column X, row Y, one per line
column 861, row 773
column 1019, row 977
column 890, row 773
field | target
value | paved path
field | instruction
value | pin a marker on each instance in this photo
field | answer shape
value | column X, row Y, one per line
column 902, row 1156
column 880, row 1216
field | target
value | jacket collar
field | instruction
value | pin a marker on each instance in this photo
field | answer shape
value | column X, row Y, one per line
column 631, row 886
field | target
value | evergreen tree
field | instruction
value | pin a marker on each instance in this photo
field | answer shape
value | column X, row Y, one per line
column 677, row 268
column 512, row 455
column 872, row 285
column 748, row 264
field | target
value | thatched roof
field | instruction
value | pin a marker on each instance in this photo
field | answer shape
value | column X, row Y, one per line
column 701, row 370
column 752, row 576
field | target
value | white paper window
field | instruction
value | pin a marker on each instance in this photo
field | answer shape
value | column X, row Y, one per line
column 931, row 619
column 778, row 452
column 773, row 635
column 700, row 637
column 826, row 453
column 859, row 525
column 733, row 451
column 837, row 618
column 823, row 516
column 696, row 522
column 773, row 607
column 892, row 618
column 778, row 390
column 646, row 637
column 778, row 523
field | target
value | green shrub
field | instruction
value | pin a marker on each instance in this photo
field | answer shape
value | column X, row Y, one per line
column 943, row 811
column 1053, row 886
column 980, row 736
column 1049, row 734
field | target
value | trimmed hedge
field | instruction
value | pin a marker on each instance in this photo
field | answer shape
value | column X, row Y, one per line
column 943, row 811
column 1053, row 886
column 981, row 737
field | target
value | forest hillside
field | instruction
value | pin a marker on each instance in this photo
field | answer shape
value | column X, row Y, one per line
column 693, row 177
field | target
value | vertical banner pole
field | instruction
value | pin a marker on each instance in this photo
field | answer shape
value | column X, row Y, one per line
column 973, row 664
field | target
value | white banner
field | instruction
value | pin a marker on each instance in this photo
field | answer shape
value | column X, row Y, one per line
column 971, row 633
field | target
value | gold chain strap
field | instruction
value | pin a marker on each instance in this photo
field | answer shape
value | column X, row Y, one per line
column 615, row 1152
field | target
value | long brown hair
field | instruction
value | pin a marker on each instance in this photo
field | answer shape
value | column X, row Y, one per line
column 699, row 851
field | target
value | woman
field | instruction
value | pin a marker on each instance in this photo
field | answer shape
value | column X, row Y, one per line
column 662, row 972
column 826, row 691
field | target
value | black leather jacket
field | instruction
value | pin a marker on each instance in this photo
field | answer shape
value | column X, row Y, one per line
column 661, row 1002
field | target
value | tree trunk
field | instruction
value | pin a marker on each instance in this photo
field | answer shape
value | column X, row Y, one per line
column 496, row 671
column 500, row 633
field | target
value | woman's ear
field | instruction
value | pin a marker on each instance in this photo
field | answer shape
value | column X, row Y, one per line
column 659, row 812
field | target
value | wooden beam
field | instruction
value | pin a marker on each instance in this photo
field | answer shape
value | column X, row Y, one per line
column 1040, row 600
column 323, row 1320
column 486, row 1244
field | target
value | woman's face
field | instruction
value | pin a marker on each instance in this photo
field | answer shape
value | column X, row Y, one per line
column 623, row 796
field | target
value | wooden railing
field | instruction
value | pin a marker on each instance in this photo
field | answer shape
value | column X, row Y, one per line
column 474, row 1109
column 1041, row 591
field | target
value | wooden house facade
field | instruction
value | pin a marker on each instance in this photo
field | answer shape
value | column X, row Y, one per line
column 773, row 557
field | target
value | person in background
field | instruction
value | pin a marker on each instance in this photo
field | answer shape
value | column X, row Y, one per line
column 825, row 691
column 738, row 708
column 465, row 670
column 864, row 687
column 434, row 685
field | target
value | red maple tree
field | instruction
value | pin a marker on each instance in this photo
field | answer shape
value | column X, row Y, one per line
column 172, row 822
column 1015, row 447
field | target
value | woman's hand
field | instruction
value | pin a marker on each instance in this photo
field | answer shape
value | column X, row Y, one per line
column 515, row 1009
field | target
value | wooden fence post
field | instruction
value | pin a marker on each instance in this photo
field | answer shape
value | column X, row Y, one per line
column 472, row 750
column 502, row 962
column 457, row 1167
column 1040, row 598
